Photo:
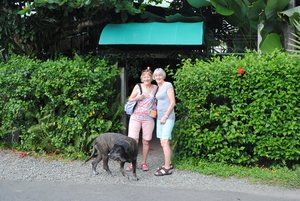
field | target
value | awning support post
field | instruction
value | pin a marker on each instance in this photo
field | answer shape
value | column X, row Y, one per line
column 123, row 77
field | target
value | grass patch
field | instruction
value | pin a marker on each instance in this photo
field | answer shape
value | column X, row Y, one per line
column 276, row 176
column 15, row 148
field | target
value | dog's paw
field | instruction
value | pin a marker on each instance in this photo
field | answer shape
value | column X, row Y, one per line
column 109, row 172
column 95, row 173
column 134, row 178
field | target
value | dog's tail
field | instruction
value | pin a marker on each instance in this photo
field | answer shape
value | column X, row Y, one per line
column 91, row 156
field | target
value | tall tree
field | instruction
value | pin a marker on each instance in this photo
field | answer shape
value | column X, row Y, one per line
column 252, row 15
column 38, row 27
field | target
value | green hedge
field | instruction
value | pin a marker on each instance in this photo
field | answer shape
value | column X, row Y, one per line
column 58, row 106
column 245, row 119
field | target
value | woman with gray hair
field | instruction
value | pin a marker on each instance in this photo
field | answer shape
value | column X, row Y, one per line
column 165, row 119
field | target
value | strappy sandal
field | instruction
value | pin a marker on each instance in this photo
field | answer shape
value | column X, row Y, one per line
column 163, row 171
column 159, row 168
column 129, row 168
column 145, row 167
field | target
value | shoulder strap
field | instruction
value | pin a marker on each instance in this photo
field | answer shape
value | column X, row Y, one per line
column 139, row 84
column 156, row 91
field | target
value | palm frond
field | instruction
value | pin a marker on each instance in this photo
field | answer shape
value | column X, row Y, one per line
column 295, row 41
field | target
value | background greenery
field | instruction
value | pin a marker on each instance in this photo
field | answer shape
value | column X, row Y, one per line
column 58, row 106
column 223, row 116
column 45, row 28
column 239, row 119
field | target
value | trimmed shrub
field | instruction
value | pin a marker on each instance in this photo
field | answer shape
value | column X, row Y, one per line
column 240, row 110
column 59, row 106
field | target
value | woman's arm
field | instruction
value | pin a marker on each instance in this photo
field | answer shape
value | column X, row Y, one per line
column 171, row 96
column 135, row 94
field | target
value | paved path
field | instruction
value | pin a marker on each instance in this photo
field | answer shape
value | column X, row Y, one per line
column 64, row 191
column 33, row 179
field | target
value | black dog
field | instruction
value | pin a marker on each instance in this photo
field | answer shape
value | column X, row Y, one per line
column 116, row 146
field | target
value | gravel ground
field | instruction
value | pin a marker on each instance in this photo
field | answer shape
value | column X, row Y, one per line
column 14, row 168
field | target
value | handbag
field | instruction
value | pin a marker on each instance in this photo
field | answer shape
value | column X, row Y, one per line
column 153, row 112
column 130, row 105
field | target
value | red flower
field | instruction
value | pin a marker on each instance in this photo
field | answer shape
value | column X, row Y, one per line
column 241, row 71
column 22, row 154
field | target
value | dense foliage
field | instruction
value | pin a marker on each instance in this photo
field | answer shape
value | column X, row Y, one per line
column 265, row 17
column 44, row 28
column 240, row 110
column 58, row 106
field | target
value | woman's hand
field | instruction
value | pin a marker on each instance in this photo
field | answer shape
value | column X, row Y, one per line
column 163, row 119
column 140, row 97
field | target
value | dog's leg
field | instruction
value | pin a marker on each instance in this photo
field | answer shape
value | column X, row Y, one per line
column 95, row 163
column 134, row 170
column 122, row 169
column 105, row 164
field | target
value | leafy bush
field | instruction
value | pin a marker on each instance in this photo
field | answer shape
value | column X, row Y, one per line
column 58, row 105
column 239, row 110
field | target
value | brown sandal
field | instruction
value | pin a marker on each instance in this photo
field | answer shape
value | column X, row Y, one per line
column 159, row 168
column 163, row 171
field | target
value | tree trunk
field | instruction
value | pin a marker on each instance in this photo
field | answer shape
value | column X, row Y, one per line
column 260, row 26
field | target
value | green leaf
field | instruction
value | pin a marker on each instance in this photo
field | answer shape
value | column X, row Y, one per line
column 222, row 9
column 88, row 2
column 24, row 11
column 255, row 9
column 198, row 3
column 292, row 11
column 274, row 6
column 270, row 43
column 291, row 15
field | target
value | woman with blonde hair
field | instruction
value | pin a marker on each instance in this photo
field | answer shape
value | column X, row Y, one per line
column 141, row 119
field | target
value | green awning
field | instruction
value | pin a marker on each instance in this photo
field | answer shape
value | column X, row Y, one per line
column 153, row 33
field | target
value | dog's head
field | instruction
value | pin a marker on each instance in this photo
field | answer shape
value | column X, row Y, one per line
column 119, row 153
